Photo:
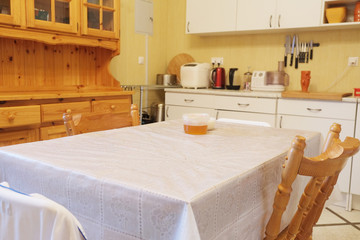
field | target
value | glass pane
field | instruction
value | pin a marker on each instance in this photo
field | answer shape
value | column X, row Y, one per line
column 108, row 3
column 108, row 21
column 5, row 7
column 43, row 10
column 93, row 18
column 62, row 12
column 94, row 1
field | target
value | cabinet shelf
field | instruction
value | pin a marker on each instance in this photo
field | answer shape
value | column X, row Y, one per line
column 350, row 7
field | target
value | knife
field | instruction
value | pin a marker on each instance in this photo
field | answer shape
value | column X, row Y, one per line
column 297, row 52
column 311, row 49
column 292, row 51
column 287, row 48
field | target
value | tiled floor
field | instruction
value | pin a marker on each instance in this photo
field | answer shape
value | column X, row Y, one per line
column 337, row 224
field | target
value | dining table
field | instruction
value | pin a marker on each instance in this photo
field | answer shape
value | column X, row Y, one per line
column 154, row 181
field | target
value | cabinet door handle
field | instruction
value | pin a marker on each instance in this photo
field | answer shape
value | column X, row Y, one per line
column 188, row 27
column 270, row 21
column 279, row 20
column 314, row 109
column 280, row 123
column 243, row 104
column 188, row 100
column 167, row 112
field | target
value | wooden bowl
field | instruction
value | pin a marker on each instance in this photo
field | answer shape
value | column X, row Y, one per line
column 336, row 14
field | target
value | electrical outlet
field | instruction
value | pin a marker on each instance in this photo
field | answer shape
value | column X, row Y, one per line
column 217, row 60
column 353, row 61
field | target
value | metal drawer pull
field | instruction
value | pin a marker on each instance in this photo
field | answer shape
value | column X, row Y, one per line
column 188, row 100
column 314, row 109
column 243, row 104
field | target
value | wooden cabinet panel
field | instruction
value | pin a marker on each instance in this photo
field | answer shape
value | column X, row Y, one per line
column 114, row 105
column 19, row 116
column 54, row 112
column 52, row 132
column 16, row 137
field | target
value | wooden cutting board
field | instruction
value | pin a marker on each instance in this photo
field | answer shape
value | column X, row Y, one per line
column 315, row 95
column 176, row 63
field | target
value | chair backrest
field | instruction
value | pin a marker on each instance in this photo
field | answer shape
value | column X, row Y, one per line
column 34, row 217
column 323, row 170
column 91, row 122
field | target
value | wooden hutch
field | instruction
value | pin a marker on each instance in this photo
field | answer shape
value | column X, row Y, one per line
column 54, row 56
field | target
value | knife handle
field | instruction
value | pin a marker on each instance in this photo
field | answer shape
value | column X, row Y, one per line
column 296, row 62
column 291, row 59
column 311, row 54
column 285, row 60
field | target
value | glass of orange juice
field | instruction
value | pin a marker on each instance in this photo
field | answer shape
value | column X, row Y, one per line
column 196, row 123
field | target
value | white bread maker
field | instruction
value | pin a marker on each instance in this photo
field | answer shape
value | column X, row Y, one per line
column 195, row 75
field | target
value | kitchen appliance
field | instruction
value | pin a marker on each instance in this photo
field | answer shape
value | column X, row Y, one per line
column 195, row 75
column 166, row 79
column 247, row 80
column 231, row 80
column 217, row 78
column 273, row 81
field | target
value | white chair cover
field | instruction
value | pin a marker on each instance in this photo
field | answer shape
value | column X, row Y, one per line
column 34, row 217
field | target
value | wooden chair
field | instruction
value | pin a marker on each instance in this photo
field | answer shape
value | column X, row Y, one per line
column 91, row 122
column 323, row 170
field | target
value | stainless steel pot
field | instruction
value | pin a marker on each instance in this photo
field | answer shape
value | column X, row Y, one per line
column 166, row 79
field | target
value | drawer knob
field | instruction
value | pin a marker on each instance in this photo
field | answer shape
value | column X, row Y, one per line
column 112, row 107
column 11, row 117
column 68, row 111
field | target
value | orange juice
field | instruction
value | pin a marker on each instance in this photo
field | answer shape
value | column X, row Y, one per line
column 196, row 123
column 195, row 130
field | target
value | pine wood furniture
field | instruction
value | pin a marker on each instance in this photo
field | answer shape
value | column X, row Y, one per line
column 323, row 170
column 54, row 56
column 91, row 122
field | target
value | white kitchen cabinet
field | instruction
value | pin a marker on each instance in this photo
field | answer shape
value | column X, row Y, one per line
column 276, row 14
column 177, row 104
column 176, row 112
column 247, row 108
column 314, row 115
column 210, row 16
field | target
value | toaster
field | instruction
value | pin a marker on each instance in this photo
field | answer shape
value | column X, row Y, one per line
column 195, row 75
column 269, row 81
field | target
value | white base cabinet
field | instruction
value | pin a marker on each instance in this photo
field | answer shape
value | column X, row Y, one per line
column 318, row 116
column 355, row 176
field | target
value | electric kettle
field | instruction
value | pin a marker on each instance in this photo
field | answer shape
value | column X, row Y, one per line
column 217, row 78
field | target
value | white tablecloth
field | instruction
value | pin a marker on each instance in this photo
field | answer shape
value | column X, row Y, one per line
column 156, row 182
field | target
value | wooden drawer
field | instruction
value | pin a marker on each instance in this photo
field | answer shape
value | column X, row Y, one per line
column 113, row 105
column 54, row 112
column 19, row 116
column 52, row 132
column 189, row 100
column 246, row 104
column 16, row 137
column 318, row 108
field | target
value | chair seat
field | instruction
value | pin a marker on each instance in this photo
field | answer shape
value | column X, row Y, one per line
column 35, row 217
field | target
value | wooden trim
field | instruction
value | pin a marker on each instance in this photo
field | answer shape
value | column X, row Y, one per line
column 57, row 39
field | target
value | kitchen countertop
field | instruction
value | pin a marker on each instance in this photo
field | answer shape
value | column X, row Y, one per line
column 225, row 92
column 240, row 93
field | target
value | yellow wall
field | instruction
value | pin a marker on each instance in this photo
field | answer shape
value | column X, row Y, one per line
column 260, row 51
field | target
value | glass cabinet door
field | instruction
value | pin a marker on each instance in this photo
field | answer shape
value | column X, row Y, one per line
column 10, row 12
column 55, row 15
column 101, row 18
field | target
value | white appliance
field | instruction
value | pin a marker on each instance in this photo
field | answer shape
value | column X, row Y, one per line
column 264, row 81
column 195, row 75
